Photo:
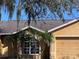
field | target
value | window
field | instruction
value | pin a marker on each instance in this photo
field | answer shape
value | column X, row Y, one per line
column 30, row 46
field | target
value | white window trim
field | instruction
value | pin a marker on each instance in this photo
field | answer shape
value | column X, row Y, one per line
column 33, row 53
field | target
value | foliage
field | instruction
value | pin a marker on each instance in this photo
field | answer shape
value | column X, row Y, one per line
column 47, row 37
column 35, row 7
column 9, row 4
column 10, row 38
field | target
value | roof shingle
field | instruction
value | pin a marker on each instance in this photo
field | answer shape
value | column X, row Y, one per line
column 11, row 26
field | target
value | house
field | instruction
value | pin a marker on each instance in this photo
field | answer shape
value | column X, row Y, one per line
column 63, row 46
column 66, row 41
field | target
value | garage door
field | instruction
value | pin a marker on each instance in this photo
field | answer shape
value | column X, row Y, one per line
column 67, row 48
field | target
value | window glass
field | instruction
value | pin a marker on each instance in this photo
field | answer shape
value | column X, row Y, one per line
column 31, row 46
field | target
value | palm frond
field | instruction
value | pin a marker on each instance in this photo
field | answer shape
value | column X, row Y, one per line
column 37, row 7
column 10, row 6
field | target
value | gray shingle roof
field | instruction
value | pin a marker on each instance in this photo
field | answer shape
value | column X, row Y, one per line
column 11, row 26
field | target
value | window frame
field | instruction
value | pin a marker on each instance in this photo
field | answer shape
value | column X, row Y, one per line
column 30, row 51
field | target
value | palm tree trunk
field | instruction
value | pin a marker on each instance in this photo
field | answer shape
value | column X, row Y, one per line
column 18, row 14
column 15, row 48
column 46, row 52
column 10, row 50
column 18, row 20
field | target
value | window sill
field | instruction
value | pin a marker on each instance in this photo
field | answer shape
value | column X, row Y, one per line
column 30, row 54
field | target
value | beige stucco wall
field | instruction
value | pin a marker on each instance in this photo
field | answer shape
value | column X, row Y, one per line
column 67, row 45
column 67, row 48
column 72, row 29
column 53, row 49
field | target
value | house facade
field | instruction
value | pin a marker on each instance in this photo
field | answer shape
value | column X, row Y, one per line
column 64, row 43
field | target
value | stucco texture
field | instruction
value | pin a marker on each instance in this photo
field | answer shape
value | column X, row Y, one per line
column 67, row 48
column 66, row 42
column 69, row 30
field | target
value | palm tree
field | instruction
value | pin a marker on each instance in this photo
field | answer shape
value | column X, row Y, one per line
column 9, row 4
column 34, row 8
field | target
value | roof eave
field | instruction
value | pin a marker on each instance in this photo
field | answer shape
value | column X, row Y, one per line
column 68, row 23
column 22, row 30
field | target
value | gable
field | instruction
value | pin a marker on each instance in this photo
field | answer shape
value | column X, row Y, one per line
column 71, row 30
column 45, row 25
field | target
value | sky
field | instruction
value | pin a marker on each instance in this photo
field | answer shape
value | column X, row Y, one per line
column 48, row 16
